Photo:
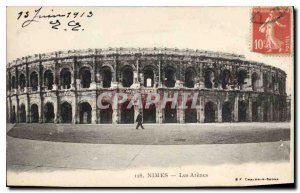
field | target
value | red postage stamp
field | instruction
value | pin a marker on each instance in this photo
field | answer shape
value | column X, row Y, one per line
column 271, row 30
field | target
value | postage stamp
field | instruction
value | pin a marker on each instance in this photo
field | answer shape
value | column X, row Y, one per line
column 271, row 30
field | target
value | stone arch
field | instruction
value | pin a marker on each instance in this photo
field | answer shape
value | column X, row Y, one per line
column 209, row 112
column 22, row 81
column 170, row 113
column 189, row 77
column 22, row 113
column 127, row 114
column 227, row 112
column 85, row 113
column 34, row 81
column 254, row 81
column 48, row 79
column 85, row 76
column 34, row 109
column 209, row 78
column 241, row 76
column 106, row 74
column 225, row 78
column 65, row 78
column 149, row 76
column 242, row 112
column 170, row 76
column 190, row 113
column 49, row 112
column 66, row 112
column 106, row 114
column 127, row 76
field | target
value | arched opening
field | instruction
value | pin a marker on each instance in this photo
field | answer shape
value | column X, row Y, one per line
column 85, row 113
column 209, row 112
column 241, row 76
column 34, row 113
column 190, row 113
column 22, row 81
column 189, row 78
column 170, row 113
column 242, row 111
column 66, row 113
column 227, row 112
column 208, row 78
column 49, row 113
column 22, row 114
column 127, row 114
column 225, row 77
column 106, row 77
column 48, row 79
column 170, row 77
column 13, row 117
column 85, row 77
column 65, row 78
column 266, row 112
column 127, row 77
column 149, row 114
column 148, row 77
column 106, row 114
column 255, row 117
column 254, row 78
column 34, row 81
column 13, row 82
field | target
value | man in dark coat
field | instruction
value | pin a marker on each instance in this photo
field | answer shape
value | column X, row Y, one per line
column 139, row 121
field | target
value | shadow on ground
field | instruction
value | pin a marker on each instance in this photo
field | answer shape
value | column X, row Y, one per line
column 153, row 134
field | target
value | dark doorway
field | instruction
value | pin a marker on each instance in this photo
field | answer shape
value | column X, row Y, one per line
column 22, row 81
column 189, row 78
column 106, row 77
column 227, row 112
column 209, row 112
column 85, row 77
column 22, row 114
column 49, row 113
column 170, row 77
column 106, row 114
column 34, row 113
column 34, row 81
column 208, row 78
column 148, row 77
column 48, row 79
column 127, row 77
column 242, row 111
column 13, row 117
column 85, row 114
column 266, row 112
column 255, row 111
column 170, row 113
column 190, row 114
column 65, row 78
column 66, row 113
column 149, row 114
column 127, row 114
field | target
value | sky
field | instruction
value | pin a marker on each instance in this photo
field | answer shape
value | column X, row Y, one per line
column 225, row 29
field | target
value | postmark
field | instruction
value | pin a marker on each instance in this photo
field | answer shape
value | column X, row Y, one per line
column 271, row 30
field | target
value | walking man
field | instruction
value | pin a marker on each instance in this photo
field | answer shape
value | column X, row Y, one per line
column 139, row 121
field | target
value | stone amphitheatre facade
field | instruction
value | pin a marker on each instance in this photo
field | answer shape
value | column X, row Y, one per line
column 62, row 87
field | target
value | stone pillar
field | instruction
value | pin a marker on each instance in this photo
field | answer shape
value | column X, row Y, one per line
column 250, row 109
column 136, row 112
column 201, row 109
column 236, row 109
column 75, row 109
column 219, row 105
column 115, row 116
column 270, row 117
column 94, row 115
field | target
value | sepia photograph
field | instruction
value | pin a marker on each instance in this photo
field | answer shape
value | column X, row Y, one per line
column 149, row 96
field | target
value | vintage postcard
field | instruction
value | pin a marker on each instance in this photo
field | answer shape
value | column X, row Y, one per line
column 150, row 96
